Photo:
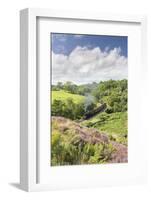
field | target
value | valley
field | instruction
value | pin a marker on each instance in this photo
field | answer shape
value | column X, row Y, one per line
column 89, row 123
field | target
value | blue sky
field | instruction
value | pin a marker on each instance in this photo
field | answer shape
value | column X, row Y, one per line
column 88, row 58
column 65, row 43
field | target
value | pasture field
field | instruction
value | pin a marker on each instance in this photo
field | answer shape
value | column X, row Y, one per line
column 64, row 95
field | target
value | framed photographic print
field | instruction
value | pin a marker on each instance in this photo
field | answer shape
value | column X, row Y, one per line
column 82, row 81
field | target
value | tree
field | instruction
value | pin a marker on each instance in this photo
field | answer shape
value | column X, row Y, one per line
column 60, row 85
column 57, row 108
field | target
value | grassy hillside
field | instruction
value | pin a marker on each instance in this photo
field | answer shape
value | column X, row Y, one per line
column 80, row 135
column 73, row 144
column 114, row 125
column 63, row 96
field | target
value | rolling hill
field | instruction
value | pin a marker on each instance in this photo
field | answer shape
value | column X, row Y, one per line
column 63, row 95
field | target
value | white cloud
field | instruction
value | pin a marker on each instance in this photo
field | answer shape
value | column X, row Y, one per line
column 84, row 65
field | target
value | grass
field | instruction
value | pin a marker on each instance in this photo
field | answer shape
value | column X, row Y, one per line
column 63, row 95
column 114, row 125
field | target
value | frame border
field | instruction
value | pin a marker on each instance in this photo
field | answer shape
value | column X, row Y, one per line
column 28, row 81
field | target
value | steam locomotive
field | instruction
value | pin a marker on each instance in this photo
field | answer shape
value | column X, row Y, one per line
column 97, row 110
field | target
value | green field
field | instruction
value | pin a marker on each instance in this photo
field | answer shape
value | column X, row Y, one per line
column 63, row 96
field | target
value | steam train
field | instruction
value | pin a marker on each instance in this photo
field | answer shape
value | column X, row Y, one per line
column 97, row 110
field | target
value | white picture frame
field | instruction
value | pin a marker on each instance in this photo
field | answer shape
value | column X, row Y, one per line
column 29, row 148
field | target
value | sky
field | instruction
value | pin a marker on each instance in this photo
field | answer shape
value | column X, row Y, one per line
column 85, row 59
